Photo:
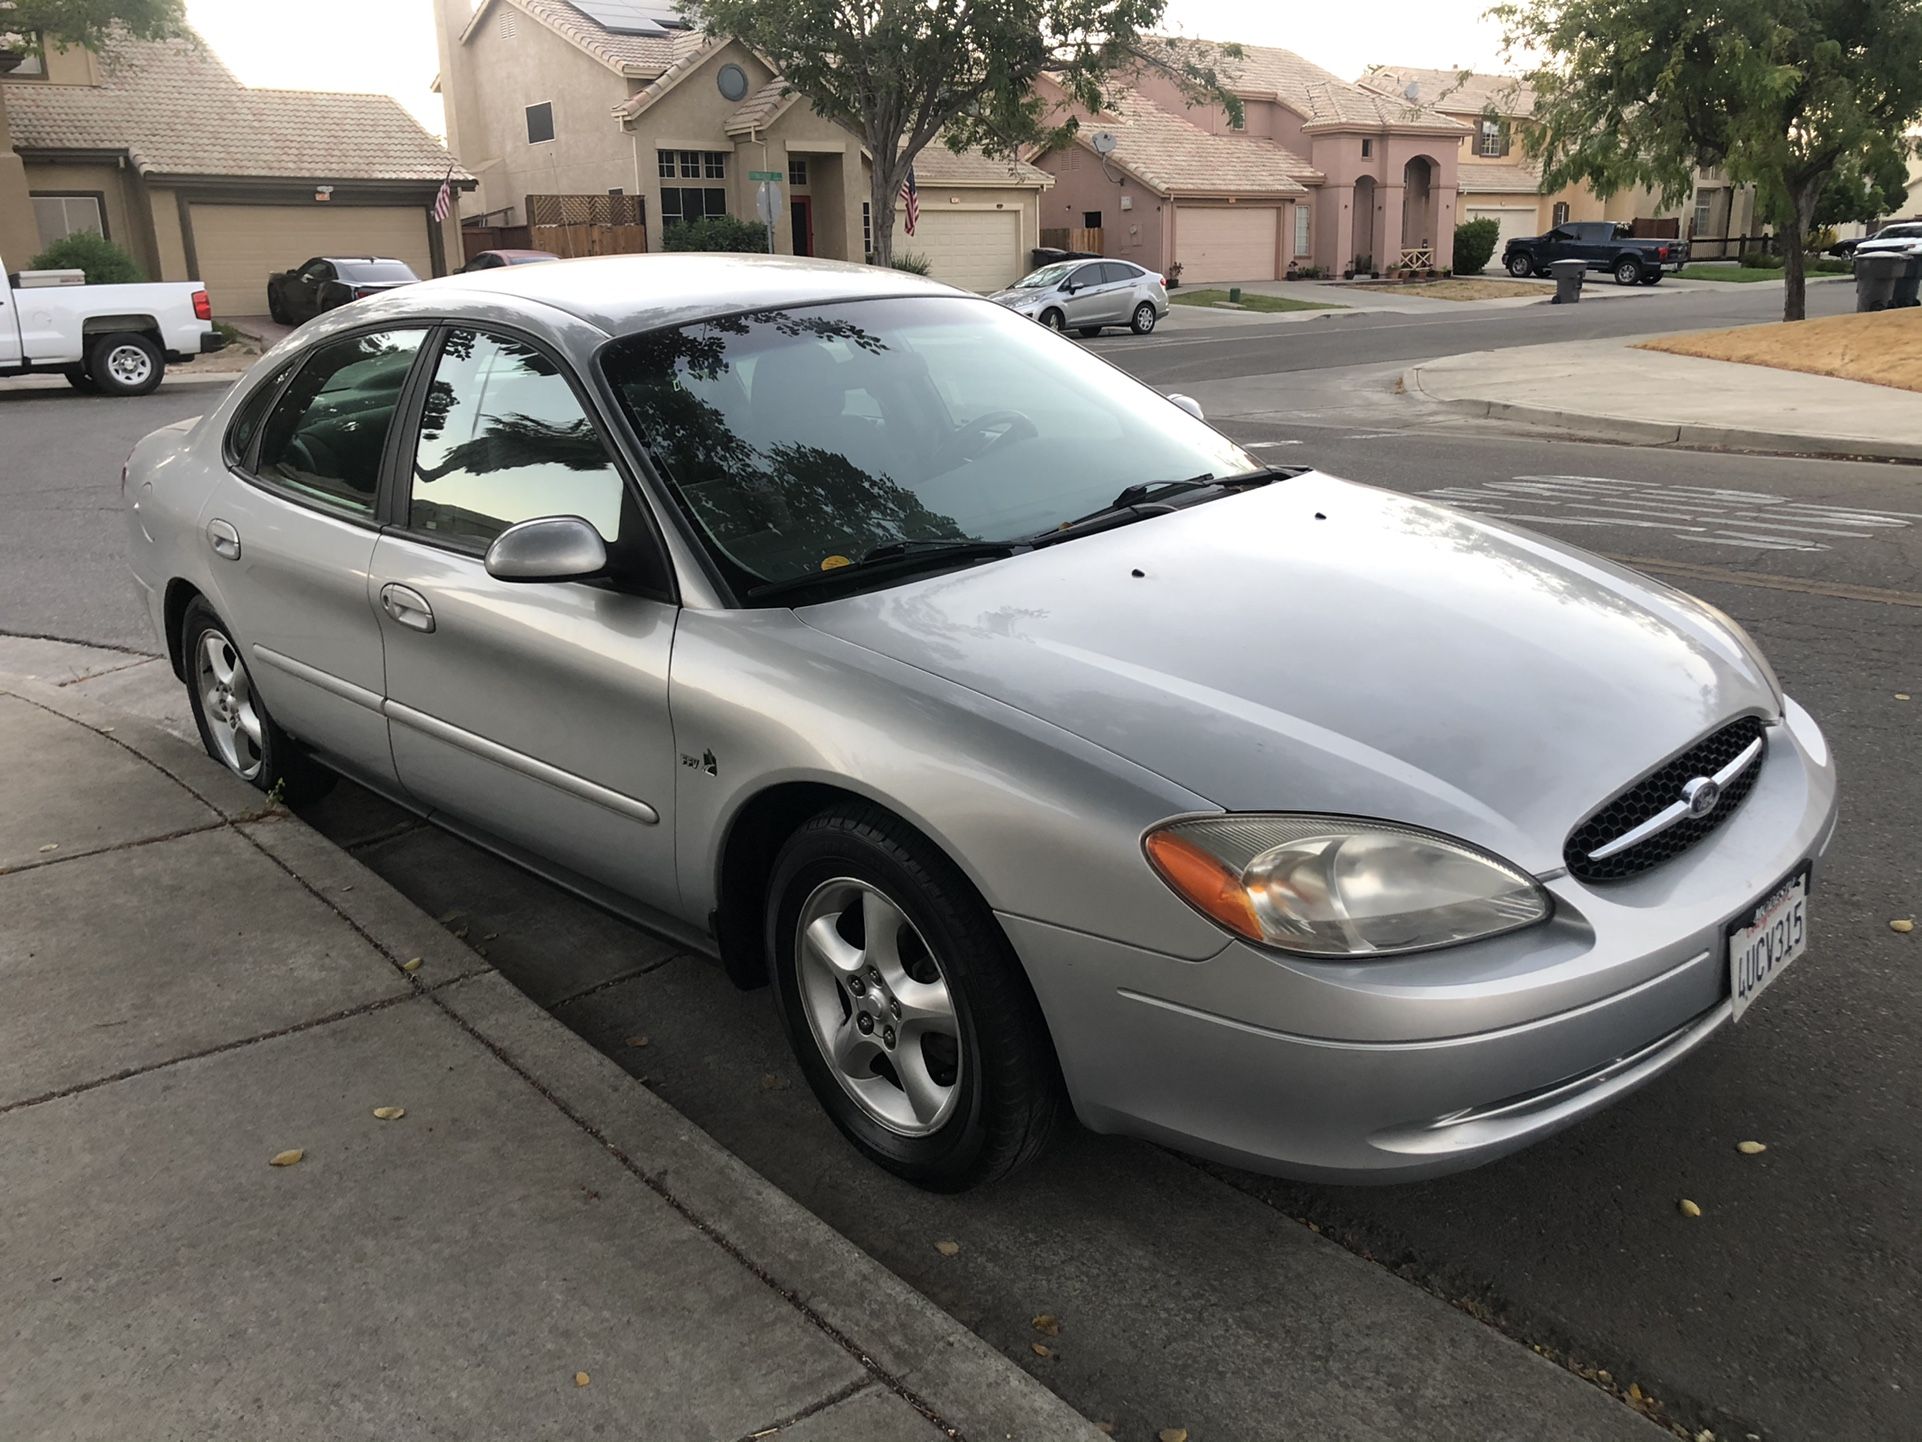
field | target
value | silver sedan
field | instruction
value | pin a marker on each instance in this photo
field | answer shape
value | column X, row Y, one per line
column 1045, row 750
column 1088, row 295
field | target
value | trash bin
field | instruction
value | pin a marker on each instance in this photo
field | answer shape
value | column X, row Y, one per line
column 1908, row 283
column 1568, row 280
column 1875, row 278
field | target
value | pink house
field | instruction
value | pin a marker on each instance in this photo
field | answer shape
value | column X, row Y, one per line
column 1319, row 173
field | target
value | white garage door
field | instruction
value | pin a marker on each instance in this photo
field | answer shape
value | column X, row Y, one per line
column 1227, row 243
column 236, row 247
column 1516, row 225
column 974, row 249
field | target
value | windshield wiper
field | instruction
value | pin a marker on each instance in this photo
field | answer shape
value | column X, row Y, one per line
column 1141, row 500
column 896, row 557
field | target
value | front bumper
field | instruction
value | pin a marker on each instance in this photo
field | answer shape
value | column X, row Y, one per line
column 1436, row 1062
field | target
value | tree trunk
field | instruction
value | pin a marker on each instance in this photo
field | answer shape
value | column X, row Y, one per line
column 884, row 185
column 1795, row 287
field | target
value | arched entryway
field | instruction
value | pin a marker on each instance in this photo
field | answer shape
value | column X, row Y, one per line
column 1365, row 225
column 1418, row 202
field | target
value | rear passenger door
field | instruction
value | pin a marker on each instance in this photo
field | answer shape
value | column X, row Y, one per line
column 291, row 533
column 534, row 713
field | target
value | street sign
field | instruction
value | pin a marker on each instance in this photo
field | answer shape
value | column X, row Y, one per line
column 765, row 175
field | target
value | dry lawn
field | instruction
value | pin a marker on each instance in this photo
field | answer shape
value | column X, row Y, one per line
column 1458, row 289
column 1883, row 347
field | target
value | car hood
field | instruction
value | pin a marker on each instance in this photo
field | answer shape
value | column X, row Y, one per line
column 1323, row 646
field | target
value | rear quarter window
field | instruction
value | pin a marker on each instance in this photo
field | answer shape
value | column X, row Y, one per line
column 246, row 422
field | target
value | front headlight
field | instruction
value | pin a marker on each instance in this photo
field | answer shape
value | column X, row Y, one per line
column 1341, row 885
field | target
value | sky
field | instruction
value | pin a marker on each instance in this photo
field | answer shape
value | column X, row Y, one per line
column 388, row 45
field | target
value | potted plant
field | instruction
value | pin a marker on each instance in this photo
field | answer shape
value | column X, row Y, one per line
column 1173, row 277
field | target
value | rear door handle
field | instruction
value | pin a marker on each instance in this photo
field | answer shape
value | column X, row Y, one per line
column 224, row 539
column 407, row 606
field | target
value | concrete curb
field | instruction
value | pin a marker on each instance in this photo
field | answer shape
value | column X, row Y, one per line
column 1663, row 433
column 909, row 1345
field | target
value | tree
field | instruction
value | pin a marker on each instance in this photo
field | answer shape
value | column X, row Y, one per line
column 92, row 23
column 901, row 72
column 1783, row 94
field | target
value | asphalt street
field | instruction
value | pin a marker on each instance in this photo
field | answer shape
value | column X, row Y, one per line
column 1785, row 1311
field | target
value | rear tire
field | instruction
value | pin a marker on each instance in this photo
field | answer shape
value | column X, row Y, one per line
column 1520, row 266
column 126, row 364
column 1088, row 332
column 232, row 718
column 1628, row 272
column 1054, row 319
column 906, row 1007
column 1143, row 320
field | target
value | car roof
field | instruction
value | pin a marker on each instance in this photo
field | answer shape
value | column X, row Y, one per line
column 543, row 254
column 363, row 259
column 621, row 294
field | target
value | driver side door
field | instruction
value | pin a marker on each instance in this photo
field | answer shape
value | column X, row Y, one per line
column 532, row 713
column 1084, row 307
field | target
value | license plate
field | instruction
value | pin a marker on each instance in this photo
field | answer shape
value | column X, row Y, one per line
column 1774, row 935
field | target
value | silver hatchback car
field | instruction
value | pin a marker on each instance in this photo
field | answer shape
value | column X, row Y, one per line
column 1088, row 295
column 1043, row 748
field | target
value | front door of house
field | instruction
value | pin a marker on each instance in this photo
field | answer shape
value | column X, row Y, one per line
column 801, row 213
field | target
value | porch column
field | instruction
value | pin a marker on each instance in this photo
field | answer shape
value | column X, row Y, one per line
column 1388, row 212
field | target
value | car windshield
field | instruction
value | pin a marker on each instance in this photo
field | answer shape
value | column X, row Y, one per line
column 1898, row 232
column 375, row 272
column 799, row 441
column 1046, row 276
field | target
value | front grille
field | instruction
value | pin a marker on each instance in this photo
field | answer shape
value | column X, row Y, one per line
column 1652, row 794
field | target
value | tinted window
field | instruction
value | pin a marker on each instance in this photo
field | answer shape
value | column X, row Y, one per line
column 503, row 440
column 374, row 272
column 324, row 437
column 540, row 123
column 1114, row 271
column 795, row 439
column 247, row 419
column 1087, row 275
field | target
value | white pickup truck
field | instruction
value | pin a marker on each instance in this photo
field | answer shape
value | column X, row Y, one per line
column 115, row 339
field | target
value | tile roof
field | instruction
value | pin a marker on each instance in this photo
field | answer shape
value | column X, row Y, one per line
column 1459, row 92
column 176, row 110
column 762, row 108
column 1488, row 175
column 938, row 165
column 1321, row 97
column 640, row 56
column 1177, row 158
column 696, row 50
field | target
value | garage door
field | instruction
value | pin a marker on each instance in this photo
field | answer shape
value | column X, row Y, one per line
column 974, row 249
column 1515, row 224
column 236, row 247
column 1226, row 243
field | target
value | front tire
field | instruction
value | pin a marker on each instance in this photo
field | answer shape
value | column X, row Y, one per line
column 1144, row 319
column 1054, row 319
column 233, row 720
column 1520, row 266
column 1628, row 272
column 277, row 310
column 126, row 364
column 906, row 1007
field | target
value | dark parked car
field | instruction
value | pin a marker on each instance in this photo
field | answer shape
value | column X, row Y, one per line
column 495, row 259
column 329, row 281
column 1604, row 244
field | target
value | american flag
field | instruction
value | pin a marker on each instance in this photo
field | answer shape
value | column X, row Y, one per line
column 911, row 198
column 444, row 202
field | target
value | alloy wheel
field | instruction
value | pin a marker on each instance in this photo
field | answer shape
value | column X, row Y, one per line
column 879, row 1007
column 227, row 699
column 1144, row 318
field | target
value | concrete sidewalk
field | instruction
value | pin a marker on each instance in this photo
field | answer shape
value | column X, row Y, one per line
column 1610, row 390
column 192, row 984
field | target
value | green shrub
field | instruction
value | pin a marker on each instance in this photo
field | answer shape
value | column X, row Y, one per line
column 104, row 262
column 716, row 232
column 1475, row 244
column 1759, row 260
column 913, row 264
column 1829, row 265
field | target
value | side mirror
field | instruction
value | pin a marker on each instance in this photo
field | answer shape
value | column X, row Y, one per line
column 1068, row 287
column 553, row 548
column 1188, row 404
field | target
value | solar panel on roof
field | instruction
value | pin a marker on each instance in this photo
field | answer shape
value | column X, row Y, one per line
column 625, row 17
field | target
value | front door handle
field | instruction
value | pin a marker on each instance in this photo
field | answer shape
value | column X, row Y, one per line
column 407, row 606
column 224, row 539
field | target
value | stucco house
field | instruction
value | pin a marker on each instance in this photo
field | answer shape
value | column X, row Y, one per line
column 158, row 147
column 551, row 97
column 1500, row 183
column 1318, row 173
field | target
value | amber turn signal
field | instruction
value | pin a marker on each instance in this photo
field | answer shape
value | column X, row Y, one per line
column 1204, row 882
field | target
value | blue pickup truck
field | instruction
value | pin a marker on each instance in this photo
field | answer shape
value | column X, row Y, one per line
column 1604, row 245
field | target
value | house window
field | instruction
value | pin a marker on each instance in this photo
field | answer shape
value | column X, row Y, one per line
column 1492, row 142
column 691, row 202
column 540, row 123
column 867, row 229
column 691, row 164
column 33, row 63
column 1704, row 212
column 60, row 216
column 615, row 190
column 1367, row 147
column 797, row 173
column 1303, row 218
column 1091, row 219
column 1559, row 216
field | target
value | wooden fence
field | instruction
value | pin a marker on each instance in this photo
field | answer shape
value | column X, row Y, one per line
column 567, row 225
column 615, row 210
column 1068, row 238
